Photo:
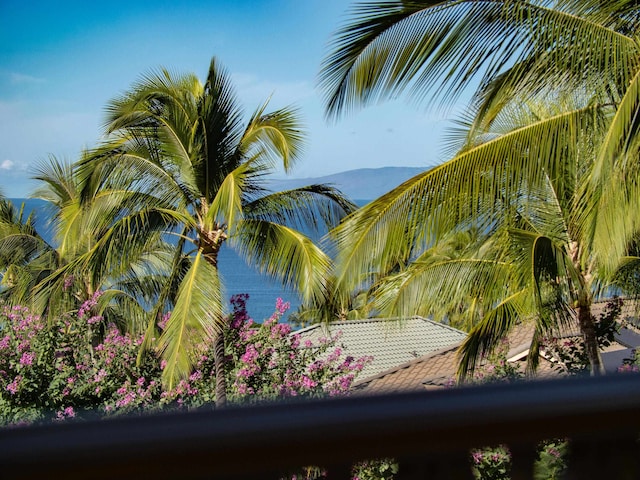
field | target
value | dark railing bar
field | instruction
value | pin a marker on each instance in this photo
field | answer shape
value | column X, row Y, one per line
column 239, row 442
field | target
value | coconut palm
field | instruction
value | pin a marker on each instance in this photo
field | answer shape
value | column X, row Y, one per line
column 54, row 277
column 514, row 52
column 25, row 257
column 334, row 305
column 182, row 147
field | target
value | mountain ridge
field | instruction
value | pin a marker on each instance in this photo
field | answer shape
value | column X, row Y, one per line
column 357, row 184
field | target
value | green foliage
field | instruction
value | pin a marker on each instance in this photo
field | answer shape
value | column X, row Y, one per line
column 570, row 352
column 491, row 463
column 494, row 463
column 552, row 460
column 383, row 469
column 179, row 149
column 496, row 368
column 543, row 164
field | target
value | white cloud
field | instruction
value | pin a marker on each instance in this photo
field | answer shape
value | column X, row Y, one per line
column 21, row 79
column 6, row 165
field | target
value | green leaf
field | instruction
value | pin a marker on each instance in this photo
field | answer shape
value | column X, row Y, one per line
column 196, row 319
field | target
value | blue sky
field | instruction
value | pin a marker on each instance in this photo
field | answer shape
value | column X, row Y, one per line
column 60, row 62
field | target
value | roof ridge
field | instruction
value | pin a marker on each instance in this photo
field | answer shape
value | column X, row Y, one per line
column 377, row 320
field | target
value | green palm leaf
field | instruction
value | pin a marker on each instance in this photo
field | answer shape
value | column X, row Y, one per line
column 444, row 47
column 284, row 254
column 196, row 319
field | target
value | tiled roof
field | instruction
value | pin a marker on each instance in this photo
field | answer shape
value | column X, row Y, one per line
column 390, row 342
column 629, row 311
column 438, row 369
column 432, row 370
column 406, row 371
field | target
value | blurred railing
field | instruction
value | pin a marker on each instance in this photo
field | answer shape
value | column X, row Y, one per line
column 428, row 433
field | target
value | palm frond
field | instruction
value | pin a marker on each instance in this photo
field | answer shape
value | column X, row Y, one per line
column 611, row 198
column 481, row 186
column 195, row 320
column 284, row 254
column 313, row 208
column 486, row 335
column 226, row 207
column 276, row 137
column 444, row 47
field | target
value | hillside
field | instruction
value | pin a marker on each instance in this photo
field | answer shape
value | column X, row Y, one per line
column 359, row 184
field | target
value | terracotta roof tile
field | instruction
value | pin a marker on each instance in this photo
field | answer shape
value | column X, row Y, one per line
column 438, row 369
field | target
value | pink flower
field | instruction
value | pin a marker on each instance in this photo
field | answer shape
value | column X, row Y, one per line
column 100, row 375
column 68, row 412
column 554, row 452
column 162, row 324
column 307, row 382
column 68, row 282
column 27, row 358
column 250, row 354
column 12, row 388
column 89, row 304
column 282, row 306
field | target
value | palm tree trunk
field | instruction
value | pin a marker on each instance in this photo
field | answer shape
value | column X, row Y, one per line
column 588, row 330
column 221, row 380
column 210, row 243
column 585, row 319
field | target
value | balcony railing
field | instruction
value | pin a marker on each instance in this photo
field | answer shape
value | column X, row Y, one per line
column 428, row 433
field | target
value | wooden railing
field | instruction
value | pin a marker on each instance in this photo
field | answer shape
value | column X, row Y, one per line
column 428, row 433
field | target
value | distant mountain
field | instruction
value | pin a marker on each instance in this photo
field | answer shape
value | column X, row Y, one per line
column 359, row 184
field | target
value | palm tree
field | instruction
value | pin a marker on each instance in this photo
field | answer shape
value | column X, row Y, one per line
column 25, row 257
column 334, row 305
column 517, row 52
column 182, row 147
column 54, row 277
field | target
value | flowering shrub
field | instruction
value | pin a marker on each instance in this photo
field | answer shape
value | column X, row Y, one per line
column 24, row 365
column 384, row 469
column 496, row 368
column 268, row 361
column 73, row 364
column 570, row 352
column 551, row 464
column 491, row 463
column 630, row 365
column 78, row 363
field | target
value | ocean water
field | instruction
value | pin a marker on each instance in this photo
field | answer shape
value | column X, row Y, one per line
column 236, row 275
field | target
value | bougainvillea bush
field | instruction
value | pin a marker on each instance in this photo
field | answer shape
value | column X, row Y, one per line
column 80, row 365
column 570, row 353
